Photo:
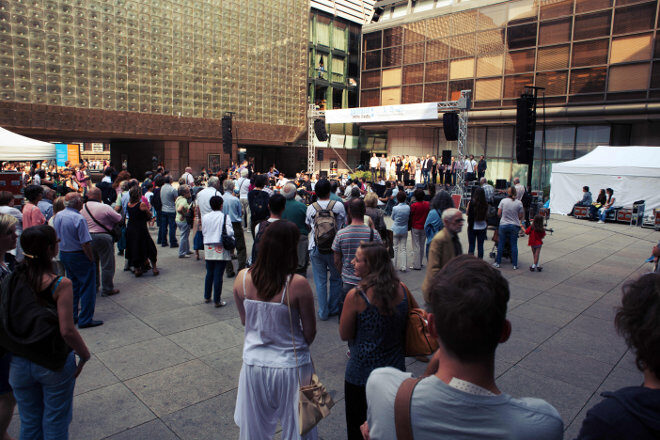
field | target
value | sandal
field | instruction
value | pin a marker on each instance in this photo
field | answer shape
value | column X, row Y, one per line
column 155, row 271
column 138, row 273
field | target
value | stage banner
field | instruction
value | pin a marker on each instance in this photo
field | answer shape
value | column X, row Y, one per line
column 61, row 154
column 384, row 113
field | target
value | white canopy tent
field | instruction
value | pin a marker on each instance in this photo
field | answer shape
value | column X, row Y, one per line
column 16, row 147
column 632, row 172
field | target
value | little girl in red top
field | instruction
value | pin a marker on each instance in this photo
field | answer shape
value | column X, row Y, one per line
column 536, row 233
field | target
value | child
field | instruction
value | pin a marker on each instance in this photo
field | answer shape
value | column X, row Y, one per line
column 536, row 233
column 198, row 239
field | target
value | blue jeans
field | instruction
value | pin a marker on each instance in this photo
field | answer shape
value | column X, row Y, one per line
column 159, row 216
column 44, row 398
column 83, row 276
column 604, row 212
column 214, row 271
column 478, row 235
column 425, row 175
column 510, row 233
column 121, row 244
column 328, row 301
column 184, row 238
column 167, row 219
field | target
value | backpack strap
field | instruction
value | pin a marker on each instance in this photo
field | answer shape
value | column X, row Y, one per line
column 316, row 206
column 402, row 419
column 371, row 235
column 331, row 205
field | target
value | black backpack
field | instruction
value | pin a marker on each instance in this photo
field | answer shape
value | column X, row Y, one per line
column 259, row 205
column 29, row 326
column 108, row 193
column 155, row 200
column 190, row 214
column 255, row 246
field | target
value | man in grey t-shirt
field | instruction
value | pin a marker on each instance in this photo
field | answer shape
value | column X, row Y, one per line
column 460, row 399
column 168, row 213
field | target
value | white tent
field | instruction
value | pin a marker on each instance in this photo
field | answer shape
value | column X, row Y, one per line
column 16, row 147
column 632, row 172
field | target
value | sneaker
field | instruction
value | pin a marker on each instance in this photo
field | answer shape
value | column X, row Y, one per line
column 184, row 256
column 531, row 268
column 600, row 222
column 515, row 267
column 539, row 268
column 497, row 265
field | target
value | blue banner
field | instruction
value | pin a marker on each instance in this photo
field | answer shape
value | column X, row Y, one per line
column 62, row 154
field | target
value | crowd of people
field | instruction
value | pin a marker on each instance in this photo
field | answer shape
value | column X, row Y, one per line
column 65, row 255
column 426, row 169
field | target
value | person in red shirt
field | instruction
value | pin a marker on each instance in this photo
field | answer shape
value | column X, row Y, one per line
column 536, row 233
column 419, row 210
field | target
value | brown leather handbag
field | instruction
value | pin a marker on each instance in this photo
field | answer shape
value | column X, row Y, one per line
column 419, row 341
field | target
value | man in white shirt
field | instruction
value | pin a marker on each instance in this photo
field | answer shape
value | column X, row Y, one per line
column 204, row 196
column 460, row 398
column 470, row 168
column 520, row 189
column 188, row 177
column 374, row 166
column 243, row 187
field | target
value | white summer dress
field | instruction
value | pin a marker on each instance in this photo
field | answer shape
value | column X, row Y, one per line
column 268, row 384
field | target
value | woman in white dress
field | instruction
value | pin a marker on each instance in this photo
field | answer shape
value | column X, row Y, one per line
column 392, row 169
column 268, row 296
column 418, row 171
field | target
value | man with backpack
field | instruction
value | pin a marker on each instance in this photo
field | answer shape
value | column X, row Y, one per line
column 324, row 218
column 258, row 201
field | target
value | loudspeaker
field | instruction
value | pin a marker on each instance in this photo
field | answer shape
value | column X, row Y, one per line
column 319, row 155
column 226, row 134
column 450, row 125
column 323, row 174
column 319, row 129
column 500, row 184
column 525, row 129
column 446, row 157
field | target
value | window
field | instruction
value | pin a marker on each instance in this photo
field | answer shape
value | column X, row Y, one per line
column 558, row 31
column 589, row 137
column 392, row 56
column 521, row 36
column 591, row 5
column 554, row 10
column 500, row 142
column 590, row 53
column 588, row 80
column 413, row 74
column 634, row 18
column 490, row 42
column 490, row 65
column 559, row 143
column 455, row 88
column 552, row 58
column 488, row 89
column 631, row 48
column 391, row 96
column 628, row 77
column 437, row 50
column 322, row 31
column 371, row 60
column 463, row 68
column 592, row 25
column 519, row 62
column 392, row 77
column 372, row 40
column 436, row 71
column 370, row 98
column 371, row 79
column 412, row 94
column 413, row 53
column 462, row 46
column 522, row 11
column 554, row 82
column 514, row 85
column 392, row 37
column 491, row 17
column 435, row 92
column 339, row 40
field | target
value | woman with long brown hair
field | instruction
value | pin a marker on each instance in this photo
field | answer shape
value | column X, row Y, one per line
column 276, row 307
column 373, row 320
column 477, row 211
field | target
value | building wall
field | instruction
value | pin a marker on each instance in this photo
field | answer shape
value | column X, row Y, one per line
column 412, row 141
column 154, row 68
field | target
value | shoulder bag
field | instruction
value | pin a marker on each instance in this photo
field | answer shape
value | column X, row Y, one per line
column 115, row 232
column 314, row 401
column 228, row 242
column 419, row 341
column 402, row 423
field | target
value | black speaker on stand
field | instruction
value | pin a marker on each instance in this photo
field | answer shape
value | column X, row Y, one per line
column 446, row 157
column 319, row 155
column 450, row 126
column 319, row 129
column 525, row 128
column 227, row 137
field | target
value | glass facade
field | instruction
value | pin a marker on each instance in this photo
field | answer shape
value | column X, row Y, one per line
column 581, row 51
column 194, row 59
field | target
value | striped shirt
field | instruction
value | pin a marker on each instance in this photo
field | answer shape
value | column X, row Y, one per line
column 347, row 242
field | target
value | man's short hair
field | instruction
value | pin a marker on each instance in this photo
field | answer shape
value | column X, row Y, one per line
column 516, row 181
column 289, row 191
column 5, row 198
column 276, row 204
column 355, row 192
column 585, row 188
column 419, row 194
column 213, row 182
column 401, row 196
column 216, row 203
column 469, row 301
column 482, row 181
column 356, row 208
column 260, row 181
column 322, row 188
column 228, row 185
column 244, row 172
column 448, row 214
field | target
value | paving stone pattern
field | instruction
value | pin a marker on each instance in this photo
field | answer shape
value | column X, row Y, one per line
column 165, row 365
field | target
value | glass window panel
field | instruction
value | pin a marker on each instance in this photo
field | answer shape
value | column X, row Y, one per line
column 521, row 36
column 416, row 32
column 322, row 33
column 589, row 137
column 628, row 77
column 588, row 80
column 370, row 98
column 519, row 62
column 371, row 79
column 552, row 58
column 413, row 74
column 522, row 11
column 491, row 42
column 592, row 25
column 476, row 141
column 338, row 65
column 461, row 68
column 436, row 71
column 435, row 92
column 339, row 40
column 371, row 60
column 413, row 53
column 391, row 96
column 554, row 82
column 497, row 169
column 635, row 48
column 591, row 5
column 558, row 9
column 392, row 77
column 559, row 142
column 491, row 17
column 392, row 37
column 514, row 85
column 500, row 143
column 465, row 21
column 553, row 32
column 488, row 89
column 372, row 40
column 392, row 56
column 455, row 88
column 462, row 46
column 634, row 18
column 437, row 50
column 412, row 94
column 490, row 65
column 590, row 53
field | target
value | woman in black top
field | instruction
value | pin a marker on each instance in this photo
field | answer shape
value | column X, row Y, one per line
column 140, row 248
column 477, row 211
column 399, row 169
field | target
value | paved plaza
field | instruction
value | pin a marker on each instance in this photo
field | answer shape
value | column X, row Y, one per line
column 165, row 365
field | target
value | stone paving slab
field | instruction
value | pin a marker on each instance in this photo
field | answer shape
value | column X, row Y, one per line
column 165, row 365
